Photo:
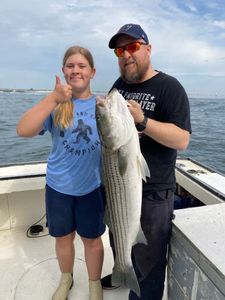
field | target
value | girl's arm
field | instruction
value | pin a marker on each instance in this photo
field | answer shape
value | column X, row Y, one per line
column 32, row 121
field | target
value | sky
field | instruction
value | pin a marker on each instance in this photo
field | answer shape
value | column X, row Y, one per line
column 187, row 38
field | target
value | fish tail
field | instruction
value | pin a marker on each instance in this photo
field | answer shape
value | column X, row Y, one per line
column 141, row 239
column 126, row 278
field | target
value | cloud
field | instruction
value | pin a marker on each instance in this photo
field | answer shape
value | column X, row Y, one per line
column 220, row 24
column 187, row 37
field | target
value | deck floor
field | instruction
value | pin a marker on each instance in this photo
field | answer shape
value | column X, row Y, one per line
column 28, row 266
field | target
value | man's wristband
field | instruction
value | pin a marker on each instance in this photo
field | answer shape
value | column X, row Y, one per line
column 142, row 125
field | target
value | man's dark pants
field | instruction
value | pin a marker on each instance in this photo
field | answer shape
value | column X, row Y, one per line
column 150, row 260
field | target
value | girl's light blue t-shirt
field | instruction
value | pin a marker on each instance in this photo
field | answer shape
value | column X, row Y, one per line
column 74, row 163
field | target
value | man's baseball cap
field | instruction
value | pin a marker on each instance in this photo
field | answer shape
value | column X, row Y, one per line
column 133, row 30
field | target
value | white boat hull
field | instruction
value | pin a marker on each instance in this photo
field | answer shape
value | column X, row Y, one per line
column 30, row 267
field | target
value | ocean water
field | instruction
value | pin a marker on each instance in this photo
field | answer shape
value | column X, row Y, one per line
column 207, row 140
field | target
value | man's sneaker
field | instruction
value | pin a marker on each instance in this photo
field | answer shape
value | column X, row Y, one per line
column 106, row 283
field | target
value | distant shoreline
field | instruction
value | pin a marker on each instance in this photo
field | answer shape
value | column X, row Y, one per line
column 37, row 90
column 190, row 95
column 24, row 90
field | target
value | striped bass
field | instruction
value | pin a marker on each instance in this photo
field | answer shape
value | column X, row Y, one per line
column 123, row 168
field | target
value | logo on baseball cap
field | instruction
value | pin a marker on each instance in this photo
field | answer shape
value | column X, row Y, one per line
column 133, row 30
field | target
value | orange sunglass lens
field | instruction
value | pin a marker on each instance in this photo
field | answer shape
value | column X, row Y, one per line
column 133, row 47
column 119, row 52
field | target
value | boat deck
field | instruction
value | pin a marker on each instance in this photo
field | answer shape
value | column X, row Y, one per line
column 28, row 266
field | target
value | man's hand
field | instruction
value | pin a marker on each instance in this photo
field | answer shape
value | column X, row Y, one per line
column 136, row 111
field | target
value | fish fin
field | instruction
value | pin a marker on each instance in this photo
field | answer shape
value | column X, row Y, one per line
column 126, row 278
column 140, row 239
column 106, row 218
column 122, row 161
column 143, row 167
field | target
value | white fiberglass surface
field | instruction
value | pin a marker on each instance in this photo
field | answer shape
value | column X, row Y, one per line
column 28, row 267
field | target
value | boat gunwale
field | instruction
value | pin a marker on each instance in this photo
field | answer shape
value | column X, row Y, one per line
column 206, row 186
column 23, row 176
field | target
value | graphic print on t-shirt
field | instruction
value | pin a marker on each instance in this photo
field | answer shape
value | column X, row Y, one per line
column 83, row 131
column 146, row 100
column 83, row 138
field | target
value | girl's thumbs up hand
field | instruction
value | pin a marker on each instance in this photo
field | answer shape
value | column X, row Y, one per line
column 63, row 92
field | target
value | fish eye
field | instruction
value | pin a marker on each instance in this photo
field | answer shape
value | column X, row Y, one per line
column 98, row 117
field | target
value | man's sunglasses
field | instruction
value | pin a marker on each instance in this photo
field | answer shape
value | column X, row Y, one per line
column 131, row 48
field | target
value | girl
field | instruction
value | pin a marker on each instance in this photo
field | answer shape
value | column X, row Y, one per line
column 74, row 195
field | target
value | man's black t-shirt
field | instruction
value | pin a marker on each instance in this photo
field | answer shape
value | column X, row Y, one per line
column 162, row 98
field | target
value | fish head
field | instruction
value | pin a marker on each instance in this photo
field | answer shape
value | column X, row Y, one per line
column 114, row 121
column 103, row 119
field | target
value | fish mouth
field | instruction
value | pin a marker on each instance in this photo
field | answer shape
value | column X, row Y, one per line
column 100, row 102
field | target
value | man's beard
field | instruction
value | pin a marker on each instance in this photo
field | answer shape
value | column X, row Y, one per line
column 135, row 77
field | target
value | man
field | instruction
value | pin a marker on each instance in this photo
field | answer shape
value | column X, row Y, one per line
column 160, row 108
